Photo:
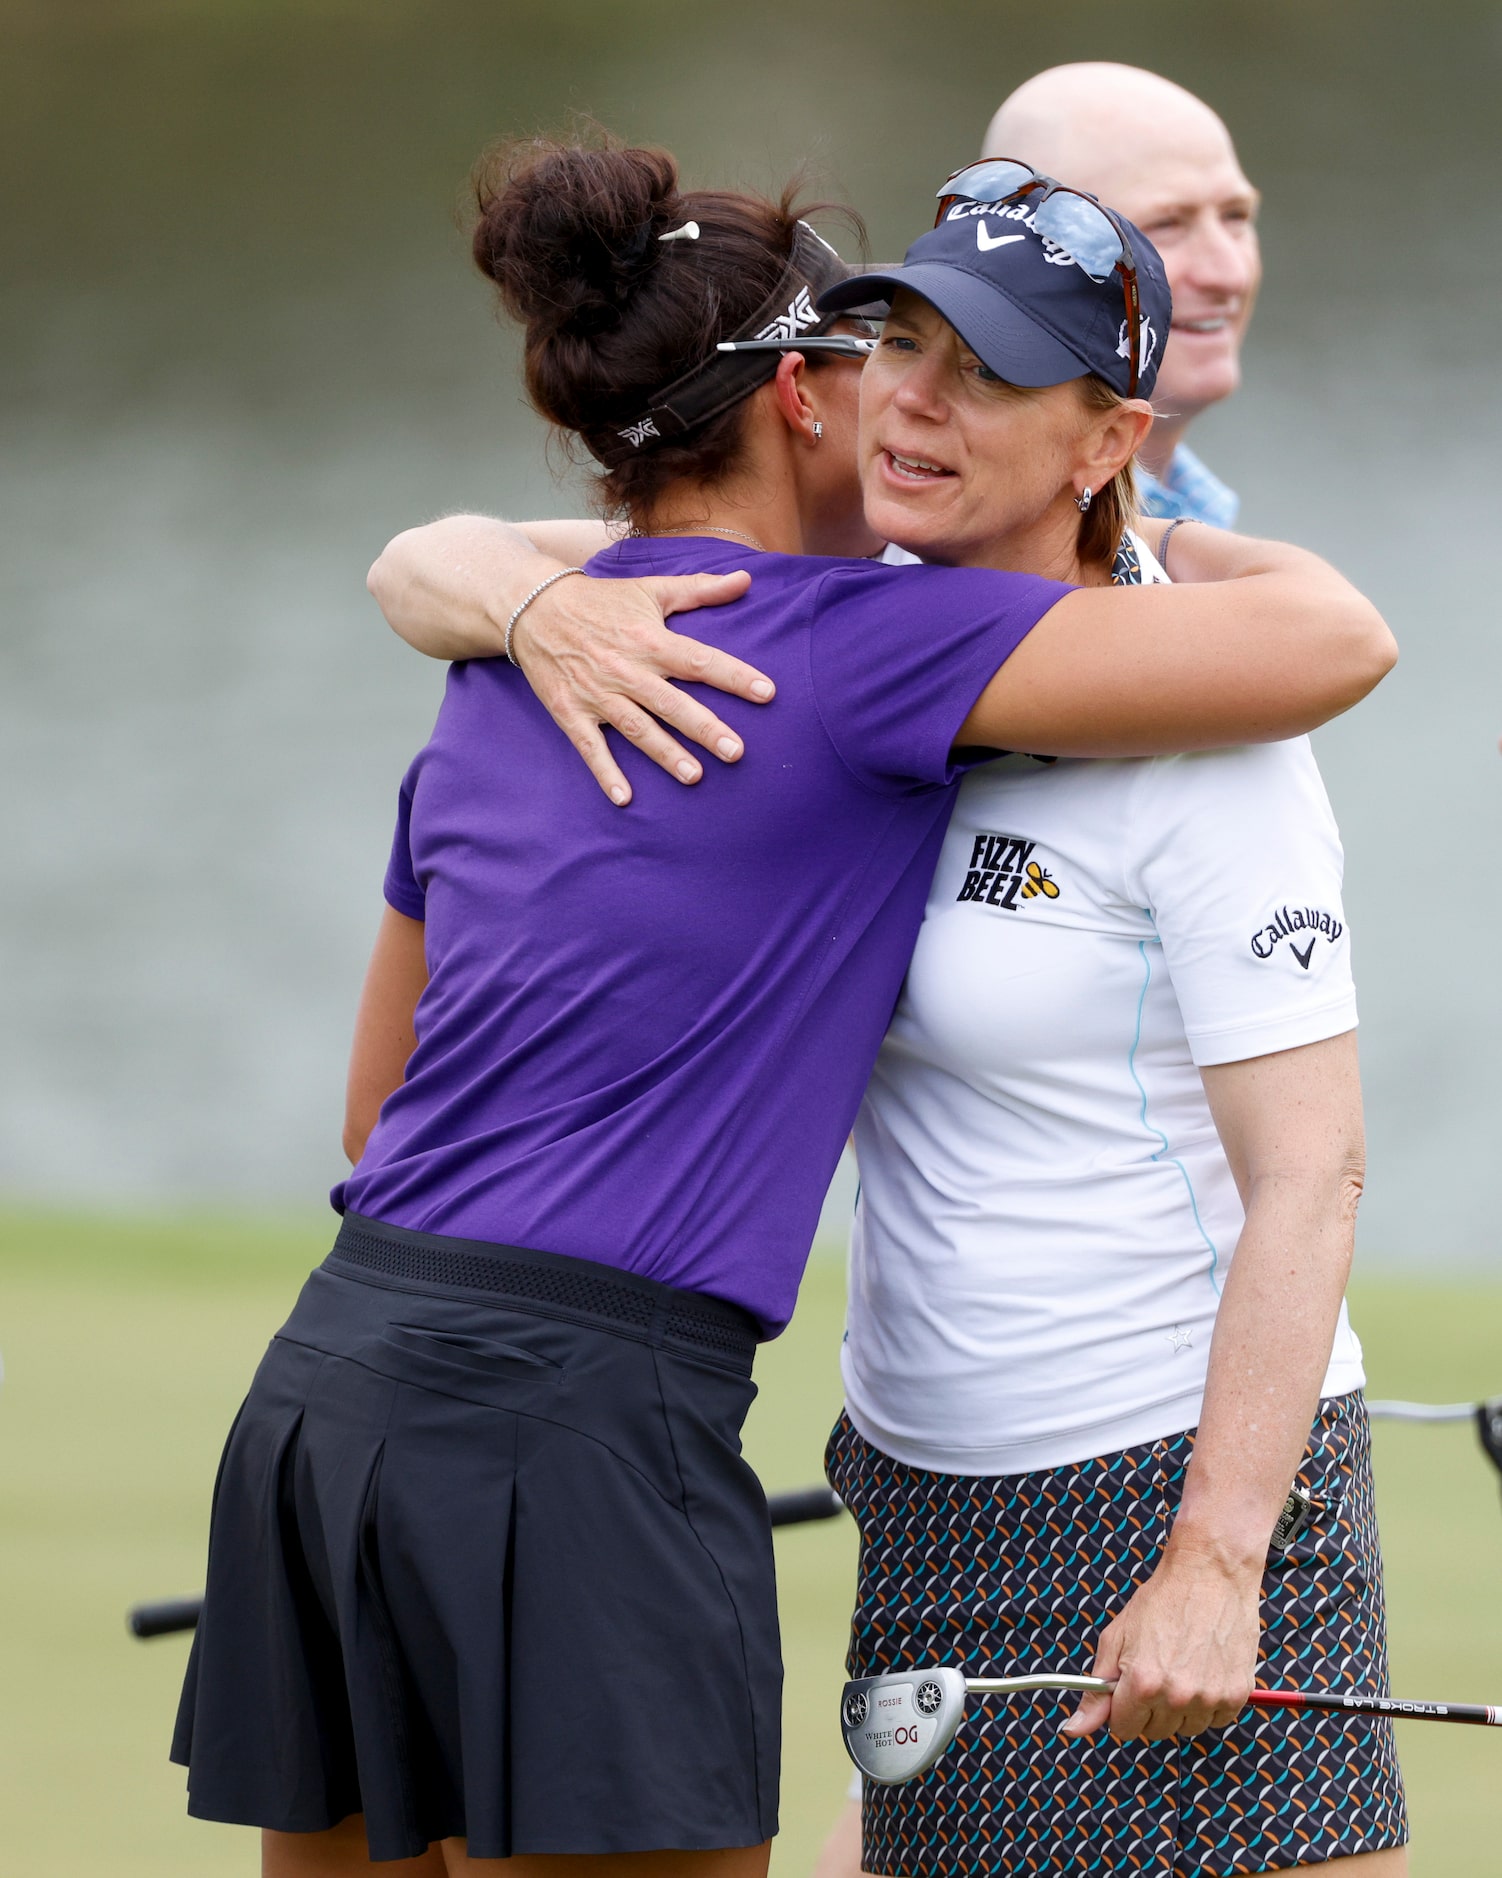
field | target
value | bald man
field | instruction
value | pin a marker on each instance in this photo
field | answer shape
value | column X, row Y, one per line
column 1154, row 151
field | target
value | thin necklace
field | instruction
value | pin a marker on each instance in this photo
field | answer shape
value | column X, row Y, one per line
column 698, row 528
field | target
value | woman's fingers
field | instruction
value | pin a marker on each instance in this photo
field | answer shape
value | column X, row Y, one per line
column 586, row 734
column 681, row 593
column 589, row 740
column 642, row 729
column 1181, row 1654
column 1154, row 1703
column 692, row 659
column 706, row 665
column 1138, row 1704
column 1092, row 1715
column 689, row 716
column 1151, row 1708
column 1094, row 1711
column 600, row 654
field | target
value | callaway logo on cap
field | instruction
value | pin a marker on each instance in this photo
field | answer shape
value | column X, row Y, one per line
column 1021, row 302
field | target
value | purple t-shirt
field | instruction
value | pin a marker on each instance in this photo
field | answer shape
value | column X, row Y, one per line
column 646, row 1030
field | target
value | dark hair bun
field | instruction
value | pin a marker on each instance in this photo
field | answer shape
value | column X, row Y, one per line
column 569, row 234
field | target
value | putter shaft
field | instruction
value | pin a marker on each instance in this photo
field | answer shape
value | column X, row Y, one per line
column 1012, row 1685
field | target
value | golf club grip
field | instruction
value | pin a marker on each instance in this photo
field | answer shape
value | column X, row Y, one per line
column 807, row 1503
column 161, row 1620
column 1400, row 1710
column 1475, row 1714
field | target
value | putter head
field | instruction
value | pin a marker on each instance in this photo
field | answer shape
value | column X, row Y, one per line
column 896, row 1726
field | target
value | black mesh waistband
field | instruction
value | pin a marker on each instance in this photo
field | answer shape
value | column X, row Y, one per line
column 566, row 1287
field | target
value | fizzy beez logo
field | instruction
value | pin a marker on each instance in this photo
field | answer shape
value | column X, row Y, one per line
column 1003, row 873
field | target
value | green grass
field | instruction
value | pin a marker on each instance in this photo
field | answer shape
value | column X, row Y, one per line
column 128, row 1344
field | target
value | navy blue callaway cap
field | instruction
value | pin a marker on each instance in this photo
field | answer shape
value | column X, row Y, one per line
column 1020, row 302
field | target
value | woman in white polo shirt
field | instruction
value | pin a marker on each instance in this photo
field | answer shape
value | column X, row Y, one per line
column 1110, row 1157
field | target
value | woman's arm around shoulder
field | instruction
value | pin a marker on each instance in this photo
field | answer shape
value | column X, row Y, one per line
column 450, row 587
column 1256, row 642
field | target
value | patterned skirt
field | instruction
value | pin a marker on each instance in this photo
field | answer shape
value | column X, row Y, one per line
column 1022, row 1572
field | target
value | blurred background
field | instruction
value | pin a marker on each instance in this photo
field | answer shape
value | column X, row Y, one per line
column 240, row 346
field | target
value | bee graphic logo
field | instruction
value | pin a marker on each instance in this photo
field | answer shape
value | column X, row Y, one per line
column 1003, row 873
column 1039, row 880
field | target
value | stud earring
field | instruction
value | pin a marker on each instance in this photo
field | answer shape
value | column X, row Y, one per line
column 1082, row 501
column 818, row 430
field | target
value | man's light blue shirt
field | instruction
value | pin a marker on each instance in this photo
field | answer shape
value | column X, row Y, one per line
column 1187, row 488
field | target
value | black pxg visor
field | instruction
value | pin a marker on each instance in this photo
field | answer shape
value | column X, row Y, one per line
column 737, row 366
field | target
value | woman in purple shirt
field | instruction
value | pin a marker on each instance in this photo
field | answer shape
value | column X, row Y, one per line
column 488, row 1578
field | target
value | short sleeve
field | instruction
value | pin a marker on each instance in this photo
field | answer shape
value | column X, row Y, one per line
column 1236, row 857
column 899, row 655
column 402, row 889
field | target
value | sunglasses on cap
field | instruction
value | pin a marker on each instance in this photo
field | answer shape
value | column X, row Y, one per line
column 1089, row 233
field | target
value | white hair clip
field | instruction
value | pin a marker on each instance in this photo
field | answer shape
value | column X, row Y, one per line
column 688, row 232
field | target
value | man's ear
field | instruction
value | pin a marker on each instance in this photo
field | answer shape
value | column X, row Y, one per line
column 792, row 399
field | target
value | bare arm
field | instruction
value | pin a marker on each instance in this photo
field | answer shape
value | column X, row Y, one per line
column 1257, row 642
column 449, row 588
column 1184, row 1649
column 384, row 1036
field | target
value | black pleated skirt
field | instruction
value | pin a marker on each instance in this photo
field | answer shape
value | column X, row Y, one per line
column 485, row 1562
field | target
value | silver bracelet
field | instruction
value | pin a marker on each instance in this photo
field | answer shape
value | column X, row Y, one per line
column 541, row 587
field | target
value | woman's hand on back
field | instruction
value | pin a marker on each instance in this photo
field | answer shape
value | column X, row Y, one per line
column 599, row 652
column 595, row 652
